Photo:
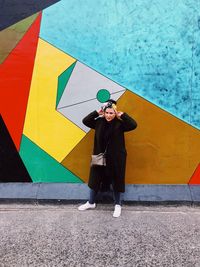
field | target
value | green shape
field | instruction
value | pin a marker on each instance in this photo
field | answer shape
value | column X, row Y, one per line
column 12, row 35
column 62, row 81
column 42, row 167
column 103, row 95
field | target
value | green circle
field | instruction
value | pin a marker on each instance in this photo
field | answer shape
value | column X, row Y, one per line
column 103, row 95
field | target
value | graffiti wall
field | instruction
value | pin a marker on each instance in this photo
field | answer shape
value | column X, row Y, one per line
column 62, row 59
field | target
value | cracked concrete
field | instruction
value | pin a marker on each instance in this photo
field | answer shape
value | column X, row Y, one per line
column 60, row 235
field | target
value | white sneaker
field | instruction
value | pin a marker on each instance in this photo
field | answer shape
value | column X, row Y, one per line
column 87, row 206
column 117, row 211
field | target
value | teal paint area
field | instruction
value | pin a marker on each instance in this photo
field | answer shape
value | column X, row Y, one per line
column 62, row 82
column 149, row 47
column 42, row 167
column 103, row 95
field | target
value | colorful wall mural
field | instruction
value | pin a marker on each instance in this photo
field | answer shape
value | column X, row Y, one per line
column 58, row 64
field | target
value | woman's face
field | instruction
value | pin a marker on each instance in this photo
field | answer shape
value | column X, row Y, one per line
column 109, row 114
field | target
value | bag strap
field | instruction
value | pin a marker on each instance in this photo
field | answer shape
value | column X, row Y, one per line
column 106, row 148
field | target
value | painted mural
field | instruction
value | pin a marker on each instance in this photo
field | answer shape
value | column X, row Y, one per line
column 58, row 64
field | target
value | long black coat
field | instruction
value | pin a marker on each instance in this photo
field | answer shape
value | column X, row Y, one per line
column 114, row 172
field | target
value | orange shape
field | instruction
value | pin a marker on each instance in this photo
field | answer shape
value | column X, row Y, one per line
column 162, row 149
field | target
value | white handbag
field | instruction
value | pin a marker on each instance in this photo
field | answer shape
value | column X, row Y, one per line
column 99, row 159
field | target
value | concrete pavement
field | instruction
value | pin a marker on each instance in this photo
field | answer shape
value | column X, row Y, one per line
column 60, row 235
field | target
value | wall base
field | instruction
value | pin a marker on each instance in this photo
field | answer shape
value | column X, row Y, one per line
column 69, row 192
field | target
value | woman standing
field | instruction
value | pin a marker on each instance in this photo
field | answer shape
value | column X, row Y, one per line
column 109, row 125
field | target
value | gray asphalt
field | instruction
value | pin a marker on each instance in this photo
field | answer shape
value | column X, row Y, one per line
column 60, row 235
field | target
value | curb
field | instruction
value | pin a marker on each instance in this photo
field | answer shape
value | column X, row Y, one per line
column 73, row 193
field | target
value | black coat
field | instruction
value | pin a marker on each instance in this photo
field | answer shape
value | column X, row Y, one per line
column 114, row 173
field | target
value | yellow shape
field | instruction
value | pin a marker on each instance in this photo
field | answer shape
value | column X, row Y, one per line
column 43, row 124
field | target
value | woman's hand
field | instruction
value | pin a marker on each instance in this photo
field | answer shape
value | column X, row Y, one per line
column 100, row 111
column 119, row 113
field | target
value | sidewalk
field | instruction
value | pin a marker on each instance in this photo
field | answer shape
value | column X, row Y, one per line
column 60, row 235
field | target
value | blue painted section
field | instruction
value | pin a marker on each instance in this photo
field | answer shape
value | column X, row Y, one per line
column 149, row 47
column 77, row 192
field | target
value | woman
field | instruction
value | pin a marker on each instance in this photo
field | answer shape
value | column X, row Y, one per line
column 109, row 125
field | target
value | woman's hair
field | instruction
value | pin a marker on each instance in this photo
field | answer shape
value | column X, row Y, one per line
column 110, row 104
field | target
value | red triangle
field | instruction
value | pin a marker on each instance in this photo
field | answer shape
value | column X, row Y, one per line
column 15, row 79
column 195, row 179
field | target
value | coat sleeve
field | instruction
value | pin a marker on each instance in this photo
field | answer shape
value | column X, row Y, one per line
column 90, row 119
column 128, row 123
